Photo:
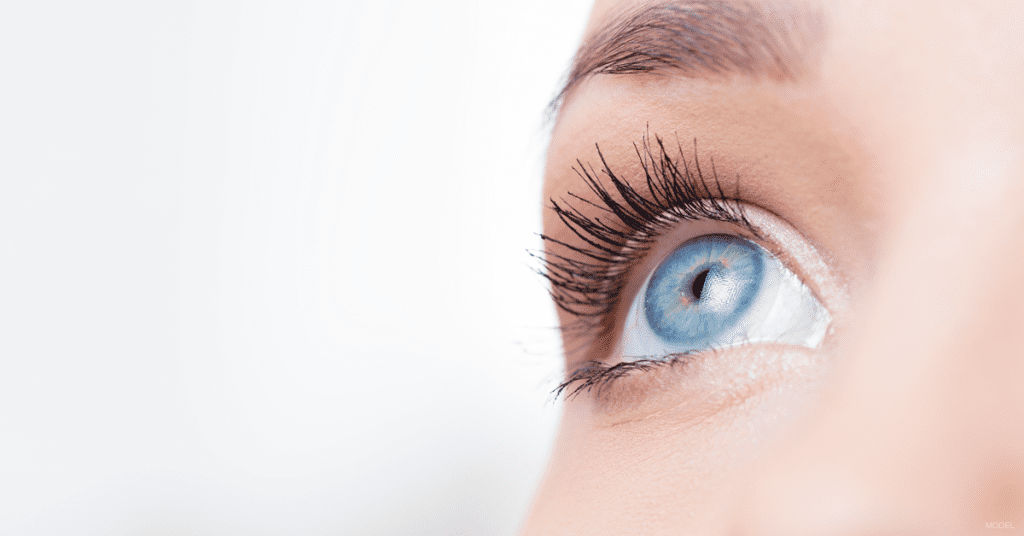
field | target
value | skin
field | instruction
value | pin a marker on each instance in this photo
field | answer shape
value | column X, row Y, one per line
column 895, row 170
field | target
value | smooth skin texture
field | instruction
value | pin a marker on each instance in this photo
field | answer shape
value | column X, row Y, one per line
column 892, row 169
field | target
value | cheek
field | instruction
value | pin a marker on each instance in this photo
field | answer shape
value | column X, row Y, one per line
column 664, row 455
column 653, row 477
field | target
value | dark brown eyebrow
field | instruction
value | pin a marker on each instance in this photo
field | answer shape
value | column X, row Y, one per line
column 701, row 40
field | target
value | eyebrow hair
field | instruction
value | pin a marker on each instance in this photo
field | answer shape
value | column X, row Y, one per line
column 700, row 40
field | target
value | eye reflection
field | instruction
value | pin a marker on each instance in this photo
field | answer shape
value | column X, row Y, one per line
column 718, row 291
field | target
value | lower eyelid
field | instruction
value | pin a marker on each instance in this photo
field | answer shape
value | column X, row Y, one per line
column 703, row 385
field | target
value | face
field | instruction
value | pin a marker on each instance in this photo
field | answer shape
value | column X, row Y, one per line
column 787, row 245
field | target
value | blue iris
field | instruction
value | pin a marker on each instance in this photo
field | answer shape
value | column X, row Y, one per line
column 703, row 289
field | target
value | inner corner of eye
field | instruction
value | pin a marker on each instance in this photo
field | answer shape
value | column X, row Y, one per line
column 717, row 291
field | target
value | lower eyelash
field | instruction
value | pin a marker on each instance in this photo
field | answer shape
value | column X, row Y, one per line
column 587, row 281
column 595, row 376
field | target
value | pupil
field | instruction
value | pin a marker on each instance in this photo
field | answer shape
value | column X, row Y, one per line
column 698, row 284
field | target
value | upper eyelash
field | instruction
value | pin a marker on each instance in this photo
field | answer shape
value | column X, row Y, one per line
column 589, row 284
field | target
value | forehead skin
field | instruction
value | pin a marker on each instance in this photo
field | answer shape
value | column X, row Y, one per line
column 898, row 154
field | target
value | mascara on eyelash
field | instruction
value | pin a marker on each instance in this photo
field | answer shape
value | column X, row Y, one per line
column 587, row 280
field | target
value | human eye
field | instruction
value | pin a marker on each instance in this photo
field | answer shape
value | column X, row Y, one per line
column 670, row 266
column 718, row 291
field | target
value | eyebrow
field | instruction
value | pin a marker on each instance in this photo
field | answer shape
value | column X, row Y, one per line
column 708, row 40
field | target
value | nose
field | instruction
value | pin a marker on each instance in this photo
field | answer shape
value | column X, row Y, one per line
column 921, row 429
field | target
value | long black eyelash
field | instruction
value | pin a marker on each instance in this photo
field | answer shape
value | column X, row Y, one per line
column 587, row 281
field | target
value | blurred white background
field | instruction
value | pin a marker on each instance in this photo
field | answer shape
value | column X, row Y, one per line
column 263, row 268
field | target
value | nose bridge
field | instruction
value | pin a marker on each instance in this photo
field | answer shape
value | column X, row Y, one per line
column 923, row 426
